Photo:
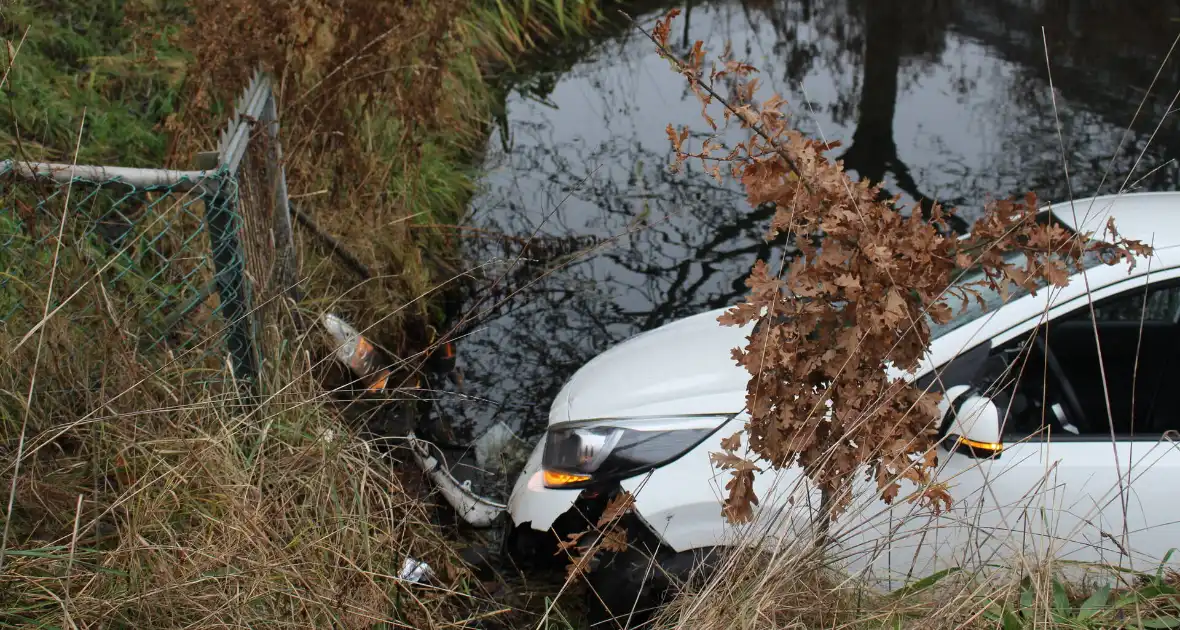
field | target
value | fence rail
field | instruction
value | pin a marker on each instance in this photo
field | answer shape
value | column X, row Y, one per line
column 139, row 233
column 110, row 175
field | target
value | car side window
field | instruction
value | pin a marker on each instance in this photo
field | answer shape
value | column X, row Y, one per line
column 1162, row 305
column 1053, row 378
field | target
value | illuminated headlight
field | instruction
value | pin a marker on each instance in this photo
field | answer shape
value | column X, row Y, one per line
column 585, row 453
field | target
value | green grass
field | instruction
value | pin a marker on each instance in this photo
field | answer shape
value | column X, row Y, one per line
column 438, row 184
column 113, row 61
column 505, row 30
column 116, row 69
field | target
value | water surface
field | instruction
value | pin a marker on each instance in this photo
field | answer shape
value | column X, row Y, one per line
column 946, row 101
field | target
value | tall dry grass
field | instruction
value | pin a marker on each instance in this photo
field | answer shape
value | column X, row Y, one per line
column 144, row 494
column 138, row 490
column 190, row 513
column 796, row 588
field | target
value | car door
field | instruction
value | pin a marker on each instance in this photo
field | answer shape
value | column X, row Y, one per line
column 1084, row 497
column 1101, row 495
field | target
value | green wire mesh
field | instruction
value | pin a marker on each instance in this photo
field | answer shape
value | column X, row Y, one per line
column 164, row 262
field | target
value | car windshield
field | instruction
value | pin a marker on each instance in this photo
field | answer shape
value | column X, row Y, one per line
column 991, row 298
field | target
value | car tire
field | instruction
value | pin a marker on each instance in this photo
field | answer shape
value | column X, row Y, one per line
column 628, row 588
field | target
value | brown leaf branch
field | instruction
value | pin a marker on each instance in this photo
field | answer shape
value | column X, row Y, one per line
column 852, row 302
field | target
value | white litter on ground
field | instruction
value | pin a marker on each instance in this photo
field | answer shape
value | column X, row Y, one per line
column 414, row 570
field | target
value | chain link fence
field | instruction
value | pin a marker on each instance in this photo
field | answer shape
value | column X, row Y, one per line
column 184, row 261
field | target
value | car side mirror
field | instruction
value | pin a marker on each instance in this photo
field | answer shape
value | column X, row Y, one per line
column 970, row 423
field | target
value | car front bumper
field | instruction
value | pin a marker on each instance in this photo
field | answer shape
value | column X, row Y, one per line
column 534, row 504
column 680, row 502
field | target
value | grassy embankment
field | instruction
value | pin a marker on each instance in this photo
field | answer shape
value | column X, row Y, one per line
column 139, row 494
column 797, row 586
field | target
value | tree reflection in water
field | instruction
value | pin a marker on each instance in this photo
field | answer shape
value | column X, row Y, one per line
column 943, row 101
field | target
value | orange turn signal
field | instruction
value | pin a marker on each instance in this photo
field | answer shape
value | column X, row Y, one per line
column 554, row 479
column 987, row 446
column 980, row 450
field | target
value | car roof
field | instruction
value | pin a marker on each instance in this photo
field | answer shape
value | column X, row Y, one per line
column 1153, row 218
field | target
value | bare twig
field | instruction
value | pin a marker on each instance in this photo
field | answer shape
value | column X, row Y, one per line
column 1089, row 292
column 474, row 230
column 12, row 53
column 73, row 546
column 334, row 245
column 689, row 72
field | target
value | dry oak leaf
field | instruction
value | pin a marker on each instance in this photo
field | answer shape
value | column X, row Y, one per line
column 618, row 505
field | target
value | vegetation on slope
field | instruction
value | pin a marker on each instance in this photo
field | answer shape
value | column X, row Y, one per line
column 141, row 493
column 116, row 62
column 385, row 107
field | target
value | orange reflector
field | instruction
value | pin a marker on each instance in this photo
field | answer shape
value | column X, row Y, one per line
column 554, row 479
column 379, row 382
column 985, row 446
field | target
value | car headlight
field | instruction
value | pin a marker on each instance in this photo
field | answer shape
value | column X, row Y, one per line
column 585, row 453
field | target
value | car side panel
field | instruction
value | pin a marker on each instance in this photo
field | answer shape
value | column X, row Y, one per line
column 1064, row 500
column 1040, row 500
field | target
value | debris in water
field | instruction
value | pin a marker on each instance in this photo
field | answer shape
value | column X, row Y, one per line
column 500, row 449
column 476, row 510
column 358, row 353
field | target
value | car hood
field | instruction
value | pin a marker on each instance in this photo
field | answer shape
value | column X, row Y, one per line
column 684, row 367
column 687, row 368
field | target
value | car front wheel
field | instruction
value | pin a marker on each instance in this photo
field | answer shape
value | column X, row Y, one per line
column 628, row 588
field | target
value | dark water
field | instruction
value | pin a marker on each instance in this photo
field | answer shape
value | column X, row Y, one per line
column 946, row 101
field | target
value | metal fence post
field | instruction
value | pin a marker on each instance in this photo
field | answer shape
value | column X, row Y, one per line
column 222, row 221
column 277, row 175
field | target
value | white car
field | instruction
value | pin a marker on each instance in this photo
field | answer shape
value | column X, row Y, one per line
column 645, row 415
